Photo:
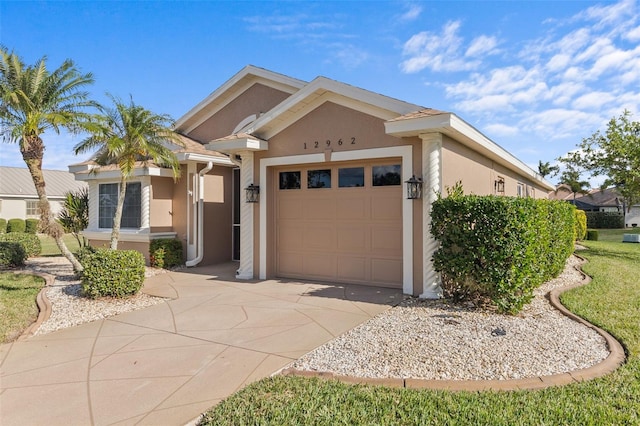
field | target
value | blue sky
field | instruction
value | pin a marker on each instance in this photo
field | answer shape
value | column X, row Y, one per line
column 534, row 76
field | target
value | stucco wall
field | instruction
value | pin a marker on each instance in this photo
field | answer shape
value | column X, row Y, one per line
column 217, row 214
column 257, row 99
column 161, row 203
column 14, row 208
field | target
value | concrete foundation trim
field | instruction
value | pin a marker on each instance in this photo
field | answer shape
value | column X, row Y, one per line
column 615, row 359
column 44, row 306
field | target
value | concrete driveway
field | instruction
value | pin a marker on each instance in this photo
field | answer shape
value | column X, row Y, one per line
column 168, row 363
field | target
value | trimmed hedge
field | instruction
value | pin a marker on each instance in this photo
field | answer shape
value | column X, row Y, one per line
column 3, row 225
column 581, row 225
column 16, row 225
column 605, row 220
column 32, row 226
column 112, row 273
column 497, row 250
column 165, row 253
column 29, row 242
column 12, row 254
column 592, row 235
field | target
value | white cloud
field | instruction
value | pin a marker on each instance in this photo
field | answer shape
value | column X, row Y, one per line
column 483, row 45
column 633, row 34
column 500, row 129
column 593, row 100
column 413, row 12
column 438, row 52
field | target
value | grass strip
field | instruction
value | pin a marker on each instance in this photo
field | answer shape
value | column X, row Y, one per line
column 18, row 308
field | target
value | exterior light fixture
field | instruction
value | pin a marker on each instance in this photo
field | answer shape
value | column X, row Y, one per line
column 253, row 193
column 499, row 185
column 414, row 188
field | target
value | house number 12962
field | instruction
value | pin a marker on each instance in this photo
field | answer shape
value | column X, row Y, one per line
column 328, row 143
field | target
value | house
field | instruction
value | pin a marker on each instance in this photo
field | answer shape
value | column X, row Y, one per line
column 308, row 180
column 18, row 197
column 599, row 200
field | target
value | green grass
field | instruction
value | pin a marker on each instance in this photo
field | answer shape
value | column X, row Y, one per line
column 615, row 235
column 612, row 301
column 18, row 307
column 49, row 247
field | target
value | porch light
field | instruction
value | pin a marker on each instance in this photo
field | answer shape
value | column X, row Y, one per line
column 253, row 193
column 414, row 188
column 499, row 185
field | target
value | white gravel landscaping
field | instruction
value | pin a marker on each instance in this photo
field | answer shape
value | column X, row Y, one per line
column 425, row 339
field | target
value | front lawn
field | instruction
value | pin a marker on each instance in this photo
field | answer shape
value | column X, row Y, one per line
column 611, row 301
column 49, row 247
column 18, row 307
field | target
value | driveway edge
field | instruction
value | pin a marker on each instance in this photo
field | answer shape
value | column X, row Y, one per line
column 615, row 359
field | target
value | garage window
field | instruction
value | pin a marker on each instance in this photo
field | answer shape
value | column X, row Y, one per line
column 319, row 178
column 289, row 180
column 387, row 175
column 351, row 177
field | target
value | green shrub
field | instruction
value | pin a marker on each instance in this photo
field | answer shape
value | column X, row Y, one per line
column 499, row 249
column 112, row 273
column 3, row 225
column 581, row 225
column 605, row 220
column 83, row 252
column 32, row 226
column 165, row 253
column 16, row 225
column 29, row 242
column 12, row 254
column 592, row 235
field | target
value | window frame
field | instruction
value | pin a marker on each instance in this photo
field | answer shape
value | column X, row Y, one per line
column 29, row 206
column 104, row 219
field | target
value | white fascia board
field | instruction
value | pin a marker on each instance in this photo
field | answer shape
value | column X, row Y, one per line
column 461, row 131
column 115, row 174
column 266, row 77
column 356, row 98
column 237, row 145
column 203, row 158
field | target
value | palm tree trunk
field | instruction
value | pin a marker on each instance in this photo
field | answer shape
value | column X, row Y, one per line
column 32, row 151
column 117, row 218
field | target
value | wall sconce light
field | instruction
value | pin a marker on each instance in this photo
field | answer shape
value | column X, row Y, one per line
column 499, row 185
column 253, row 193
column 414, row 188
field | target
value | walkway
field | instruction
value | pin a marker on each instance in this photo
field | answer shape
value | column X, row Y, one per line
column 168, row 363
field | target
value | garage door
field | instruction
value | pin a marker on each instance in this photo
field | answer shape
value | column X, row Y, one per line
column 340, row 223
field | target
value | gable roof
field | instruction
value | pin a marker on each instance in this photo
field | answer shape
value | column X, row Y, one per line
column 229, row 90
column 17, row 182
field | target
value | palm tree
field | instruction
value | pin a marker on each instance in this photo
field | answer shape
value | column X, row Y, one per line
column 74, row 216
column 571, row 178
column 546, row 169
column 130, row 136
column 32, row 101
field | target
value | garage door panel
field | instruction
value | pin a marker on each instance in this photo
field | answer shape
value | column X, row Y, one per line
column 387, row 239
column 290, row 236
column 319, row 237
column 321, row 208
column 386, row 208
column 353, row 238
column 356, row 208
column 353, row 268
column 385, row 271
column 320, row 265
column 290, row 263
column 290, row 208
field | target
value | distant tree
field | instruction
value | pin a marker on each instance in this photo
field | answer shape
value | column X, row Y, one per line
column 128, row 134
column 615, row 155
column 74, row 216
column 571, row 177
column 32, row 101
column 546, row 169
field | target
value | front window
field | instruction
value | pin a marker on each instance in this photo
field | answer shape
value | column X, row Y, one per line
column 387, row 175
column 131, row 211
column 33, row 208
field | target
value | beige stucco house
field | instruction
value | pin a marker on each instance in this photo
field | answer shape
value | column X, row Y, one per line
column 331, row 162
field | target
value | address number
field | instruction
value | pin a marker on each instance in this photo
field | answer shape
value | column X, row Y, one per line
column 328, row 143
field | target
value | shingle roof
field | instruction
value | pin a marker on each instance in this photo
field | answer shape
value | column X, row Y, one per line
column 16, row 181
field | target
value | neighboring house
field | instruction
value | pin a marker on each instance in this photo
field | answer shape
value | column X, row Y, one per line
column 599, row 200
column 18, row 198
column 331, row 162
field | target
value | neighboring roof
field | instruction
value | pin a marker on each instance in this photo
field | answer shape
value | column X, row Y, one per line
column 16, row 181
column 609, row 197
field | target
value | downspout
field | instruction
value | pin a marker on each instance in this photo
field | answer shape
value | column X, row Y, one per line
column 200, row 220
